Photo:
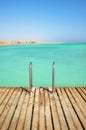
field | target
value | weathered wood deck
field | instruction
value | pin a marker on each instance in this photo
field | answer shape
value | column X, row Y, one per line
column 65, row 109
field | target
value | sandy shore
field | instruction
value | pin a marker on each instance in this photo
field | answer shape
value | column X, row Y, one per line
column 26, row 42
column 14, row 43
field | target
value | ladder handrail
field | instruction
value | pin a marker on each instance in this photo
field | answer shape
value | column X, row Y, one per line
column 53, row 76
column 30, row 75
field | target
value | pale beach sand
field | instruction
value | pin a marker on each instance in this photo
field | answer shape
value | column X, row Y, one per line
column 26, row 42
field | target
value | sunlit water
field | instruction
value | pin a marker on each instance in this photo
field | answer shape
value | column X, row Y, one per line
column 70, row 65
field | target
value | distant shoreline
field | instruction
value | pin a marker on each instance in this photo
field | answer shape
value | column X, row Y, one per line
column 33, row 42
column 14, row 43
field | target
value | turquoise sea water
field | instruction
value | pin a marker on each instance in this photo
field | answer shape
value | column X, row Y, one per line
column 70, row 67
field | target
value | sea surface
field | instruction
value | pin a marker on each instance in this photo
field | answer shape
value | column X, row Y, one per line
column 70, row 65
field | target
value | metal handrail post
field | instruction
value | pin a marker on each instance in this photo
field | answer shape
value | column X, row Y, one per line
column 30, row 75
column 53, row 75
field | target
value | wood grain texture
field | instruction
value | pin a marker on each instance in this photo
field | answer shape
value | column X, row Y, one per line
column 64, row 109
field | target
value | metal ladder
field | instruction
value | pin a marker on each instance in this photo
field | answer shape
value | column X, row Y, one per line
column 31, row 81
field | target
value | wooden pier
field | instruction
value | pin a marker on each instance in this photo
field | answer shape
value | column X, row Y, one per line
column 64, row 109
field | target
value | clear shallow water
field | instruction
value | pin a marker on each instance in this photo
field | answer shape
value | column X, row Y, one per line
column 70, row 62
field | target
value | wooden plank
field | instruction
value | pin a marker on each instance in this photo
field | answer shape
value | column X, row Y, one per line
column 36, row 111
column 77, row 110
column 48, row 112
column 83, row 90
column 60, row 113
column 28, row 118
column 81, row 93
column 17, row 113
column 7, row 108
column 11, row 111
column 80, row 98
column 66, row 111
column 55, row 116
column 81, row 104
column 2, row 91
column 41, row 110
column 3, row 105
column 4, row 95
column 73, row 114
column 23, row 113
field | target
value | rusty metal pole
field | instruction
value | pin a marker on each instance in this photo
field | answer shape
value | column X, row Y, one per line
column 30, row 75
column 53, row 75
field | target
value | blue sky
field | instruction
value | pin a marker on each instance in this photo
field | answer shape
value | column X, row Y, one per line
column 43, row 20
